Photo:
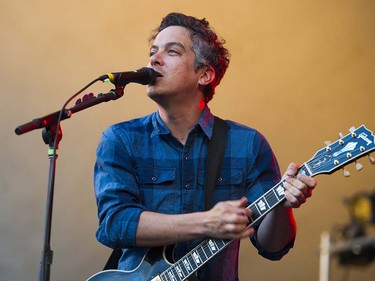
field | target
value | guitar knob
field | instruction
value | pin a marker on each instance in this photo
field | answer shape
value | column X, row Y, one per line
column 358, row 166
column 346, row 173
column 372, row 159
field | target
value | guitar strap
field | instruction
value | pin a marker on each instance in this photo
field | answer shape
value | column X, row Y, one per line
column 215, row 156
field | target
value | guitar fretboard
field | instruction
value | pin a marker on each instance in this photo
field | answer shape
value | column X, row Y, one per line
column 271, row 198
column 193, row 260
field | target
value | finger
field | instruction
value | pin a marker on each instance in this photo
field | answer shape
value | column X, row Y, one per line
column 291, row 201
column 240, row 203
column 298, row 188
column 229, row 214
column 291, row 170
column 237, row 231
column 309, row 181
column 246, row 233
column 296, row 192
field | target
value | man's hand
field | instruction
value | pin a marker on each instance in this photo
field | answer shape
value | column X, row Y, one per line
column 297, row 188
column 228, row 220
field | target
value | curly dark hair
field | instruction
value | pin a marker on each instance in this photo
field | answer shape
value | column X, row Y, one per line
column 207, row 46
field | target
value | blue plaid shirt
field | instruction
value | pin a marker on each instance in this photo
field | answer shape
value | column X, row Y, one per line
column 142, row 166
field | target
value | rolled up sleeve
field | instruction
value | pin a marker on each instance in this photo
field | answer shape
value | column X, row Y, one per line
column 117, row 194
column 274, row 256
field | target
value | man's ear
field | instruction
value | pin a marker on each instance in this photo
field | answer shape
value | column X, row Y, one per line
column 208, row 75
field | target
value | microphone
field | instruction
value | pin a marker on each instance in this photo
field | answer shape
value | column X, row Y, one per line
column 144, row 76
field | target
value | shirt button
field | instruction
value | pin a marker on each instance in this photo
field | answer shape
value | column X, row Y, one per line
column 153, row 178
column 186, row 157
column 187, row 186
column 220, row 179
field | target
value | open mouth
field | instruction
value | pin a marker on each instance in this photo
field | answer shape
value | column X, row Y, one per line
column 158, row 74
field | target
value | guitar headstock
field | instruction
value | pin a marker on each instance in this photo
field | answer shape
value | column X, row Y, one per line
column 358, row 143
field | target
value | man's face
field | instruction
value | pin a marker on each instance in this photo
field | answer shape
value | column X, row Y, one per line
column 172, row 57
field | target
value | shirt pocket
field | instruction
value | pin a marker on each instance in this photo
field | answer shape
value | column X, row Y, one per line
column 230, row 185
column 158, row 189
column 230, row 177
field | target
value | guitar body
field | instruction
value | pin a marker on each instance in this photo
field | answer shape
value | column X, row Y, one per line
column 153, row 263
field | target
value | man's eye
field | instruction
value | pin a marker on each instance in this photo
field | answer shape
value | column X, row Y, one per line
column 172, row 51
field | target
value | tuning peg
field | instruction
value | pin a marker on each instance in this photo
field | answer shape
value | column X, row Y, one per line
column 358, row 166
column 327, row 142
column 341, row 142
column 352, row 131
column 372, row 159
column 346, row 173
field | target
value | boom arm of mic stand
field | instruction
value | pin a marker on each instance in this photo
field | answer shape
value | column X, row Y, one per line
column 52, row 118
column 111, row 95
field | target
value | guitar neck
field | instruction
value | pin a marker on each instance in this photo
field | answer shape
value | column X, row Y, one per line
column 209, row 247
column 271, row 198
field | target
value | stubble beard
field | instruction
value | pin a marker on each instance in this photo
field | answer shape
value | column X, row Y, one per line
column 156, row 96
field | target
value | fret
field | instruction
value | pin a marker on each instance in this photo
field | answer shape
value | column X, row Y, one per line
column 197, row 258
column 192, row 258
column 271, row 198
column 220, row 243
column 206, row 250
column 204, row 256
column 164, row 276
column 267, row 202
column 305, row 169
column 171, row 275
column 179, row 271
column 175, row 273
column 254, row 212
column 212, row 246
column 279, row 191
column 261, row 205
column 187, row 265
column 182, row 267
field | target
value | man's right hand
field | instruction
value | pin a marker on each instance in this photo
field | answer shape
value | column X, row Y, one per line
column 228, row 220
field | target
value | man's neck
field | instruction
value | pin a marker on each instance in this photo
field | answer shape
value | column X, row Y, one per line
column 180, row 120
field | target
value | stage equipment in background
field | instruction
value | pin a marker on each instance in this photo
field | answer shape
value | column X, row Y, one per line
column 52, row 135
column 354, row 243
column 155, row 265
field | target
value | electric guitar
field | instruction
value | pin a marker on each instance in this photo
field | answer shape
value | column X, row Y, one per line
column 157, row 266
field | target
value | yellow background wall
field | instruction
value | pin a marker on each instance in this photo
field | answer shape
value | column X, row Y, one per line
column 301, row 72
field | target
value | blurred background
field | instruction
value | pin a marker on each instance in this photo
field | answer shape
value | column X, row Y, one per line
column 301, row 72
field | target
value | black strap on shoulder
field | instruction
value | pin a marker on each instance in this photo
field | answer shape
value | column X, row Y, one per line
column 215, row 156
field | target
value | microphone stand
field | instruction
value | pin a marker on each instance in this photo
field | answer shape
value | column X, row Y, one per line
column 52, row 135
column 48, row 135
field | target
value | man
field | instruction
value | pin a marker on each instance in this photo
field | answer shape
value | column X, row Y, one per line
column 149, row 174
